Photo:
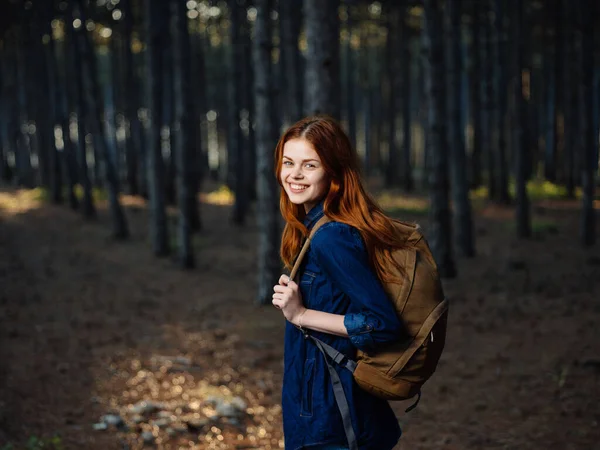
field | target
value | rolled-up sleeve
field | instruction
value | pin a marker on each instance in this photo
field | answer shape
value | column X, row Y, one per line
column 372, row 320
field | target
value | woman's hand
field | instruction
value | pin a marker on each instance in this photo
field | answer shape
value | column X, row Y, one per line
column 287, row 297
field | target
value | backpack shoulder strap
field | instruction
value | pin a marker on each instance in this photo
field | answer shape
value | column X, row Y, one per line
column 322, row 221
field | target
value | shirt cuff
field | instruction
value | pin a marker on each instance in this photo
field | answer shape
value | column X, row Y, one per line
column 359, row 329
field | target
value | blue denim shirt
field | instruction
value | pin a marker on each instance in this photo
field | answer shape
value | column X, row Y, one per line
column 336, row 277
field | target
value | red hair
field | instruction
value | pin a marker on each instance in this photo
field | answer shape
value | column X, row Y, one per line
column 346, row 200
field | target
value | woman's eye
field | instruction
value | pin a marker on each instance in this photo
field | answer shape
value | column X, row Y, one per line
column 287, row 163
column 310, row 166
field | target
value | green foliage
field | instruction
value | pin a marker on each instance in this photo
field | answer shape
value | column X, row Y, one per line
column 541, row 190
column 536, row 189
column 44, row 195
column 98, row 194
column 40, row 194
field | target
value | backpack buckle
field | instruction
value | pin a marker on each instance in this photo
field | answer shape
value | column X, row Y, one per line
column 304, row 331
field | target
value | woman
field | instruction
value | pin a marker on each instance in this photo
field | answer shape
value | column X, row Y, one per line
column 338, row 296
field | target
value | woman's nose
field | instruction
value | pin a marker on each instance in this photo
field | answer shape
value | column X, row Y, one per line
column 297, row 172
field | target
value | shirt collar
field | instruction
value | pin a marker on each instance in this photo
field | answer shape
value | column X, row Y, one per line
column 314, row 215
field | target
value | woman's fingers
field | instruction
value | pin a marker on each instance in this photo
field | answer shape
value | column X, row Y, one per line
column 284, row 279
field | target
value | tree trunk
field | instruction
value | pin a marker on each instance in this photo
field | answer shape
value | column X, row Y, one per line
column 168, row 140
column 65, row 99
column 132, row 140
column 47, row 115
column 486, row 96
column 290, row 16
column 5, row 147
column 183, row 152
column 350, row 79
column 475, row 178
column 523, row 215
column 88, row 209
column 200, row 108
column 588, row 141
column 406, row 86
column 393, row 70
column 551, row 76
column 266, row 140
column 155, row 30
column 499, row 143
column 24, row 170
column 570, row 91
column 248, row 108
column 322, row 77
column 94, row 98
column 236, row 155
column 463, row 220
column 440, row 221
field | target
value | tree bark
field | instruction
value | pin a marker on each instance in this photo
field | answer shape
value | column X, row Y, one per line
column 393, row 69
column 24, row 169
column 183, row 152
column 66, row 99
column 486, row 97
column 406, row 86
column 47, row 110
column 290, row 15
column 236, row 155
column 322, row 76
column 350, row 78
column 200, row 109
column 168, row 109
column 5, row 147
column 499, row 136
column 523, row 214
column 156, row 27
column 551, row 63
column 131, row 94
column 88, row 209
column 440, row 219
column 570, row 89
column 266, row 139
column 475, row 178
column 248, row 108
column 588, row 141
column 463, row 219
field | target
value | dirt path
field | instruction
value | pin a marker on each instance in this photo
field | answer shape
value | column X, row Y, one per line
column 89, row 327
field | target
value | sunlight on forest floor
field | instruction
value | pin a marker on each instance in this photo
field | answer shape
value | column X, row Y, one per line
column 222, row 196
column 19, row 201
column 394, row 203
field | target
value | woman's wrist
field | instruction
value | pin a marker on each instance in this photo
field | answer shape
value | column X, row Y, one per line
column 299, row 318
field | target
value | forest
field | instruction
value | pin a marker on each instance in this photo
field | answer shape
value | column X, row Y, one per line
column 140, row 224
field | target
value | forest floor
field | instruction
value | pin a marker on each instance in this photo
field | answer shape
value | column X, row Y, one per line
column 184, row 359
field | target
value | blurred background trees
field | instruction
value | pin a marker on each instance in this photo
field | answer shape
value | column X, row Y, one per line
column 455, row 99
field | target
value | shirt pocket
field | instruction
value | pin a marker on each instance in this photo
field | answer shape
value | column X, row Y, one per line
column 306, row 284
column 307, row 388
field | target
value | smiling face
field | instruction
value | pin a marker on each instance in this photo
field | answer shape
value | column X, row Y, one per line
column 302, row 174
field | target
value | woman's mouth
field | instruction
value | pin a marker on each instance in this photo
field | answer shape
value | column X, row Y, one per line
column 297, row 188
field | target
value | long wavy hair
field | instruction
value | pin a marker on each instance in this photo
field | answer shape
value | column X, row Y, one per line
column 345, row 200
